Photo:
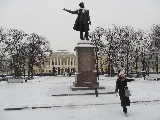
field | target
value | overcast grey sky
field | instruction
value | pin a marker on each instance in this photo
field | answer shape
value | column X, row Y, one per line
column 47, row 18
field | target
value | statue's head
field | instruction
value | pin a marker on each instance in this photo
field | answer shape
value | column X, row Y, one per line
column 81, row 5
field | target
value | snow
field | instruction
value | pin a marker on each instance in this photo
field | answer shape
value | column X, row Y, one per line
column 84, row 43
column 38, row 93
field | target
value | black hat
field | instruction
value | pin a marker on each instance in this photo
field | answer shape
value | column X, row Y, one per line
column 81, row 4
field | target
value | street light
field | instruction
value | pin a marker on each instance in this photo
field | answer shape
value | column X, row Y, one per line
column 137, row 54
column 157, row 62
column 155, row 52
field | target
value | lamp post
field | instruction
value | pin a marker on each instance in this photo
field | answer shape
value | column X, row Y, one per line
column 157, row 61
column 127, row 61
column 137, row 55
column 147, row 62
column 109, row 54
column 136, row 61
column 109, row 63
column 155, row 53
column 109, row 60
column 1, row 64
column 143, row 59
column 97, row 60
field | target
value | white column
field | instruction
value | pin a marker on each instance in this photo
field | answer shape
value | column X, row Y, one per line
column 73, row 62
column 67, row 61
column 60, row 61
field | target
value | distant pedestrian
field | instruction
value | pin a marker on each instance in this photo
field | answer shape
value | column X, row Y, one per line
column 69, row 74
column 144, row 74
column 121, row 87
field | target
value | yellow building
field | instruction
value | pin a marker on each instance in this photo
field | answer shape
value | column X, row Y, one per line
column 102, row 64
column 64, row 62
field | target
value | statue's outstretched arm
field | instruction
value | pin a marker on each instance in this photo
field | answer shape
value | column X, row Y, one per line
column 72, row 12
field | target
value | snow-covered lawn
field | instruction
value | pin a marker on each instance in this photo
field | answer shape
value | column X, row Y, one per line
column 38, row 93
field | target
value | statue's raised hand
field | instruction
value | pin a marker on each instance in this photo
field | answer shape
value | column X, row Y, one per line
column 64, row 9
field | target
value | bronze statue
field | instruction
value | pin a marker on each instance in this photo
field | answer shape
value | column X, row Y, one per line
column 83, row 20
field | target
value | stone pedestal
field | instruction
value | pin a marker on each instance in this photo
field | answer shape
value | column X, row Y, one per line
column 86, row 76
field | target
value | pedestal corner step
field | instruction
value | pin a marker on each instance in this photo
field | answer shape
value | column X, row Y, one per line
column 73, row 88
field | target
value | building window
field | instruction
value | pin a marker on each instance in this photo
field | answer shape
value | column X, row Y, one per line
column 52, row 63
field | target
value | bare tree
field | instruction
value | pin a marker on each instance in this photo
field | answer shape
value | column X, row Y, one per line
column 2, row 55
column 36, row 48
column 123, row 46
column 21, row 48
column 12, row 48
column 120, row 47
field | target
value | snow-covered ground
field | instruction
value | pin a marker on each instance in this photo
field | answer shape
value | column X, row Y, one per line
column 38, row 93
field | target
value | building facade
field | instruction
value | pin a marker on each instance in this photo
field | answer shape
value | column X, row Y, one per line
column 64, row 62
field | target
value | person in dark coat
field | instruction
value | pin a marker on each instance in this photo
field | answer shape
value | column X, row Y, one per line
column 144, row 74
column 121, row 85
column 83, row 20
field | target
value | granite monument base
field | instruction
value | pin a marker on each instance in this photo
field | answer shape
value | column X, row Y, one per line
column 86, row 76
